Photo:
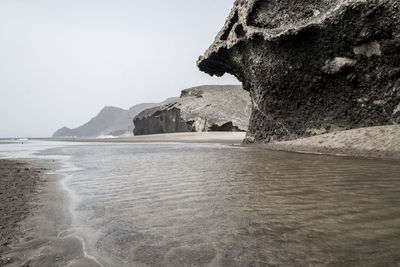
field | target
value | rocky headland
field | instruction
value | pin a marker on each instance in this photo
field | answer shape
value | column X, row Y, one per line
column 199, row 109
column 312, row 67
column 111, row 121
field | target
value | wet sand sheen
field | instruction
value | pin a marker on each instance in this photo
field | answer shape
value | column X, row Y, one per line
column 186, row 204
column 214, row 205
column 42, row 236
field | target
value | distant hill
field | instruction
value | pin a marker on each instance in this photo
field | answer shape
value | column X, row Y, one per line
column 110, row 121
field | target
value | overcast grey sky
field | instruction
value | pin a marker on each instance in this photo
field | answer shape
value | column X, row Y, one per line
column 61, row 61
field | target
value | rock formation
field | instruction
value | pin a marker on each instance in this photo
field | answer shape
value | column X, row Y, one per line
column 204, row 108
column 110, row 121
column 312, row 67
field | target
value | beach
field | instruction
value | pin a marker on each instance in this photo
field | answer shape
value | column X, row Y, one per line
column 40, row 227
column 180, row 204
column 35, row 212
column 19, row 186
column 185, row 137
column 370, row 142
column 203, row 133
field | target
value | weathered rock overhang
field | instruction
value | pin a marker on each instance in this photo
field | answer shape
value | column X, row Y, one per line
column 312, row 66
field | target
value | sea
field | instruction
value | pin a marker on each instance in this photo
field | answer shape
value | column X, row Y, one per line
column 175, row 204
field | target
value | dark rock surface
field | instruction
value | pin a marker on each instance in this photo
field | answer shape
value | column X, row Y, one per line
column 110, row 121
column 312, row 67
column 203, row 108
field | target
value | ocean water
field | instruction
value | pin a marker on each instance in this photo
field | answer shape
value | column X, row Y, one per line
column 218, row 205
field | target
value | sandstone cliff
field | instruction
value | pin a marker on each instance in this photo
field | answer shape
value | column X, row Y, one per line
column 312, row 67
column 110, row 121
column 204, row 108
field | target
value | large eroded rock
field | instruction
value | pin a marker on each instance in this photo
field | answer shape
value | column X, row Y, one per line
column 312, row 66
column 203, row 108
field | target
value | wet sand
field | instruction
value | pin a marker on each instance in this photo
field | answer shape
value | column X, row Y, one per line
column 36, row 214
column 45, row 237
column 19, row 185
column 206, row 205
column 371, row 142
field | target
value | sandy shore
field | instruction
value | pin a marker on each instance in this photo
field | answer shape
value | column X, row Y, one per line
column 195, row 137
column 18, row 187
column 18, row 183
column 35, row 217
column 373, row 142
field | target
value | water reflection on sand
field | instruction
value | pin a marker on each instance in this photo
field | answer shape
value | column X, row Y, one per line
column 199, row 204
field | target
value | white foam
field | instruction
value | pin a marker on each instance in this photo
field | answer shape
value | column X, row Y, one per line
column 107, row 137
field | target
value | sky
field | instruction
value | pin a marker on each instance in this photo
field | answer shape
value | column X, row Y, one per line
column 62, row 61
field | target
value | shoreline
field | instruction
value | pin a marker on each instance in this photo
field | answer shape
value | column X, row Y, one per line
column 184, row 137
column 380, row 142
column 44, row 236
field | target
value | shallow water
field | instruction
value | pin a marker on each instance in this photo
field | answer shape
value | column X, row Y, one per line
column 216, row 205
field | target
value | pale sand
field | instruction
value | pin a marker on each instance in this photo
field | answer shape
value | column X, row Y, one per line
column 376, row 142
column 195, row 137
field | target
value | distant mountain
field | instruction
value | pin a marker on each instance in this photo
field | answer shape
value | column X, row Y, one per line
column 110, row 121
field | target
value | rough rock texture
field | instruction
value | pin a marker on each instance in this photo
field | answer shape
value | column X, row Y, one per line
column 110, row 121
column 312, row 67
column 204, row 108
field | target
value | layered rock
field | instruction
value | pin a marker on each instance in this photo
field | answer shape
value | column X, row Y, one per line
column 311, row 66
column 204, row 108
column 111, row 121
